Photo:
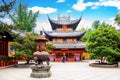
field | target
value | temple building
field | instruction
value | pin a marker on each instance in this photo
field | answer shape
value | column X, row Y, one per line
column 66, row 39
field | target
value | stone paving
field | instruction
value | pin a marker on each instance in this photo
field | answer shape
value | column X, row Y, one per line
column 64, row 71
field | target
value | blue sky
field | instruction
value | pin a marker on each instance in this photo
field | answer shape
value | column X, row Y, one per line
column 103, row 10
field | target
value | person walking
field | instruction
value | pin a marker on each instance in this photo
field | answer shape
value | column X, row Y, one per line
column 63, row 58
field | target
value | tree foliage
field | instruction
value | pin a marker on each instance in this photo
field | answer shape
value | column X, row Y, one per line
column 104, row 42
column 49, row 46
column 23, row 18
column 5, row 9
column 81, row 29
column 96, row 24
column 4, row 27
column 86, row 35
column 117, row 19
column 25, row 46
column 105, row 25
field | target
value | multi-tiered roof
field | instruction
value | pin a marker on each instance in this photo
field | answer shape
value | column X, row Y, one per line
column 65, row 22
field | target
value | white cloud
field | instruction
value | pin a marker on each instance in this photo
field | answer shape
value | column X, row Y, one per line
column 43, row 10
column 111, row 21
column 95, row 5
column 85, row 23
column 60, row 1
column 69, row 11
column 113, row 3
column 7, row 21
column 88, row 23
column 42, row 25
column 80, row 5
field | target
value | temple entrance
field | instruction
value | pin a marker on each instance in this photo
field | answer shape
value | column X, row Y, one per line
column 58, row 57
column 70, row 57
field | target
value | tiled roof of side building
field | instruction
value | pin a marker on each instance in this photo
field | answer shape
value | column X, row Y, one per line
column 71, row 45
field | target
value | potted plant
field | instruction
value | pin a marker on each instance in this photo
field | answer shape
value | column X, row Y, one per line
column 4, row 61
column 0, row 62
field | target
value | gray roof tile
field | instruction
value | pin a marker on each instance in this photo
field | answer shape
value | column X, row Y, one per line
column 71, row 45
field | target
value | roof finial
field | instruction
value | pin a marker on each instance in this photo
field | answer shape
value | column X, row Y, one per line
column 41, row 33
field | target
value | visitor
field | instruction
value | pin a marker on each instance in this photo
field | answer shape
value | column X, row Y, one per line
column 63, row 58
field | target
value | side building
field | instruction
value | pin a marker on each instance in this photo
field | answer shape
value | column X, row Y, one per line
column 65, row 39
column 5, row 44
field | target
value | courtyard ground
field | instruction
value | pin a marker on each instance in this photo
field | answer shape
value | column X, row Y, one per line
column 64, row 71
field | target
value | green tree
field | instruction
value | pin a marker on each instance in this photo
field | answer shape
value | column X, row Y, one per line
column 4, row 27
column 86, row 35
column 103, row 24
column 81, row 29
column 25, row 46
column 5, row 9
column 117, row 19
column 24, row 19
column 96, row 24
column 104, row 42
column 49, row 47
